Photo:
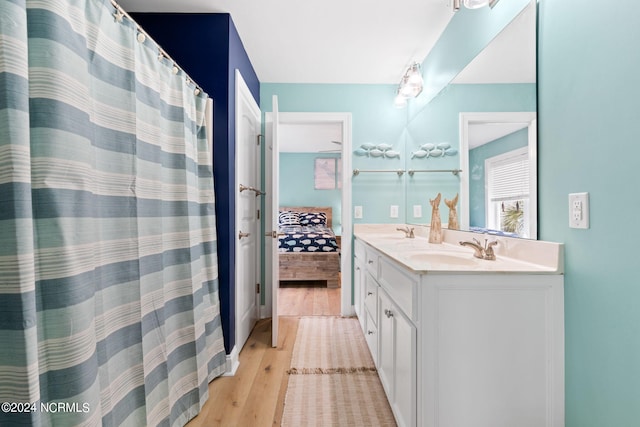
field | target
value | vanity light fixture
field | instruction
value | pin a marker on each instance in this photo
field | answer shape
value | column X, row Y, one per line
column 410, row 85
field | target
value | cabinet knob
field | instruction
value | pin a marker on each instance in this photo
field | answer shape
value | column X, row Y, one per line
column 369, row 294
column 370, row 261
column 388, row 313
column 370, row 332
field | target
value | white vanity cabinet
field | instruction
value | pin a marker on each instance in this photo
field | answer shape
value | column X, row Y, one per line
column 465, row 348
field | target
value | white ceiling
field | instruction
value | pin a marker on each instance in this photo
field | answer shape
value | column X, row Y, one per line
column 310, row 137
column 483, row 133
column 328, row 41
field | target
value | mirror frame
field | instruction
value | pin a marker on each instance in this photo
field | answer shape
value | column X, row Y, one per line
column 530, row 118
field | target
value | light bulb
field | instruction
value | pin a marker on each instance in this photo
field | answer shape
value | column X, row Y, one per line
column 399, row 101
column 415, row 78
column 405, row 87
column 475, row 4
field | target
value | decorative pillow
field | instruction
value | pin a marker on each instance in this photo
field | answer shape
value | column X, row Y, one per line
column 289, row 218
column 313, row 218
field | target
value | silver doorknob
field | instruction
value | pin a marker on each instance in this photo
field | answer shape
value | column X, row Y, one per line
column 241, row 235
column 273, row 234
column 255, row 190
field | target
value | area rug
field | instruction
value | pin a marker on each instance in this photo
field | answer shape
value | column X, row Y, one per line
column 329, row 345
column 333, row 380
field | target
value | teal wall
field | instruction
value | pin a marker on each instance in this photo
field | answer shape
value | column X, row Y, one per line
column 477, row 157
column 589, row 131
column 374, row 119
column 297, row 185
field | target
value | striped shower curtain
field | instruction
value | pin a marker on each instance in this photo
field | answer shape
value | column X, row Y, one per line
column 109, row 308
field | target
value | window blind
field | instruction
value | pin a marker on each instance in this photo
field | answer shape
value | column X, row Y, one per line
column 508, row 178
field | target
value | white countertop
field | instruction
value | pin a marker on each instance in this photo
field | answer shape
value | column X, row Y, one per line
column 512, row 255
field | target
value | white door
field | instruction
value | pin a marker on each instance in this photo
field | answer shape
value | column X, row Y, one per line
column 248, row 123
column 275, row 203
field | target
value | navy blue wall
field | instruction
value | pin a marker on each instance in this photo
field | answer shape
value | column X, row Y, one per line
column 209, row 49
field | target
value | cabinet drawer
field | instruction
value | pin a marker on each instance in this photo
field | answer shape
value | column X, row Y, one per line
column 371, row 297
column 371, row 335
column 401, row 287
column 359, row 250
column 372, row 261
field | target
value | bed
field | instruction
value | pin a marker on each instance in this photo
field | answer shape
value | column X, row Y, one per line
column 308, row 249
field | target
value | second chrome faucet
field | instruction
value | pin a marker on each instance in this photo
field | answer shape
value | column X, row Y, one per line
column 482, row 251
column 408, row 232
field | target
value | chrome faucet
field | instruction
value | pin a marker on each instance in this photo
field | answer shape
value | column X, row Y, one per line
column 482, row 251
column 408, row 232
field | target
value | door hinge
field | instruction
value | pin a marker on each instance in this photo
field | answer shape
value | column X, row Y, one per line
column 257, row 288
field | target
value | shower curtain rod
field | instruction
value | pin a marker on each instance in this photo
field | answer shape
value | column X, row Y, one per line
column 164, row 53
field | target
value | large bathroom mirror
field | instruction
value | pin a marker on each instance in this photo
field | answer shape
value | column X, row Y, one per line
column 477, row 139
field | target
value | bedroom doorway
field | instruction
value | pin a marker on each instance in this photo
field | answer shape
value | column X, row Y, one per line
column 307, row 140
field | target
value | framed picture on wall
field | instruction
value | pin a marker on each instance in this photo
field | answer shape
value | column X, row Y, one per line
column 325, row 173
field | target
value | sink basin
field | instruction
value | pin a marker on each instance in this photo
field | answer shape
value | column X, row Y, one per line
column 447, row 258
column 390, row 237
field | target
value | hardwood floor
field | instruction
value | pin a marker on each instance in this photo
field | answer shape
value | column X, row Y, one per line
column 254, row 396
column 311, row 299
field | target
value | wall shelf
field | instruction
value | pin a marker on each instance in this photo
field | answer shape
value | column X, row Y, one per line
column 456, row 172
column 357, row 172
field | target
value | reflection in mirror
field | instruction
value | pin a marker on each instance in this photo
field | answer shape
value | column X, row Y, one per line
column 502, row 78
column 498, row 193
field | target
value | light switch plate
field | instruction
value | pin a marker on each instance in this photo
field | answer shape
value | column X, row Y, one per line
column 393, row 212
column 579, row 210
column 357, row 212
column 417, row 211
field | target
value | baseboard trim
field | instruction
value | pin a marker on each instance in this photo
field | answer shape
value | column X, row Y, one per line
column 233, row 362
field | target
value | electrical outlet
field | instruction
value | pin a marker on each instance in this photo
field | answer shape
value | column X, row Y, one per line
column 357, row 212
column 417, row 211
column 393, row 212
column 579, row 210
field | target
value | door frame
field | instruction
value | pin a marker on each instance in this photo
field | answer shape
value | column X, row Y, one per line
column 243, row 96
column 346, row 299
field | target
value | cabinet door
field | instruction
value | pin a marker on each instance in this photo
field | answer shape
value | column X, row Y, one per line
column 358, row 289
column 385, row 344
column 405, row 377
column 397, row 364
